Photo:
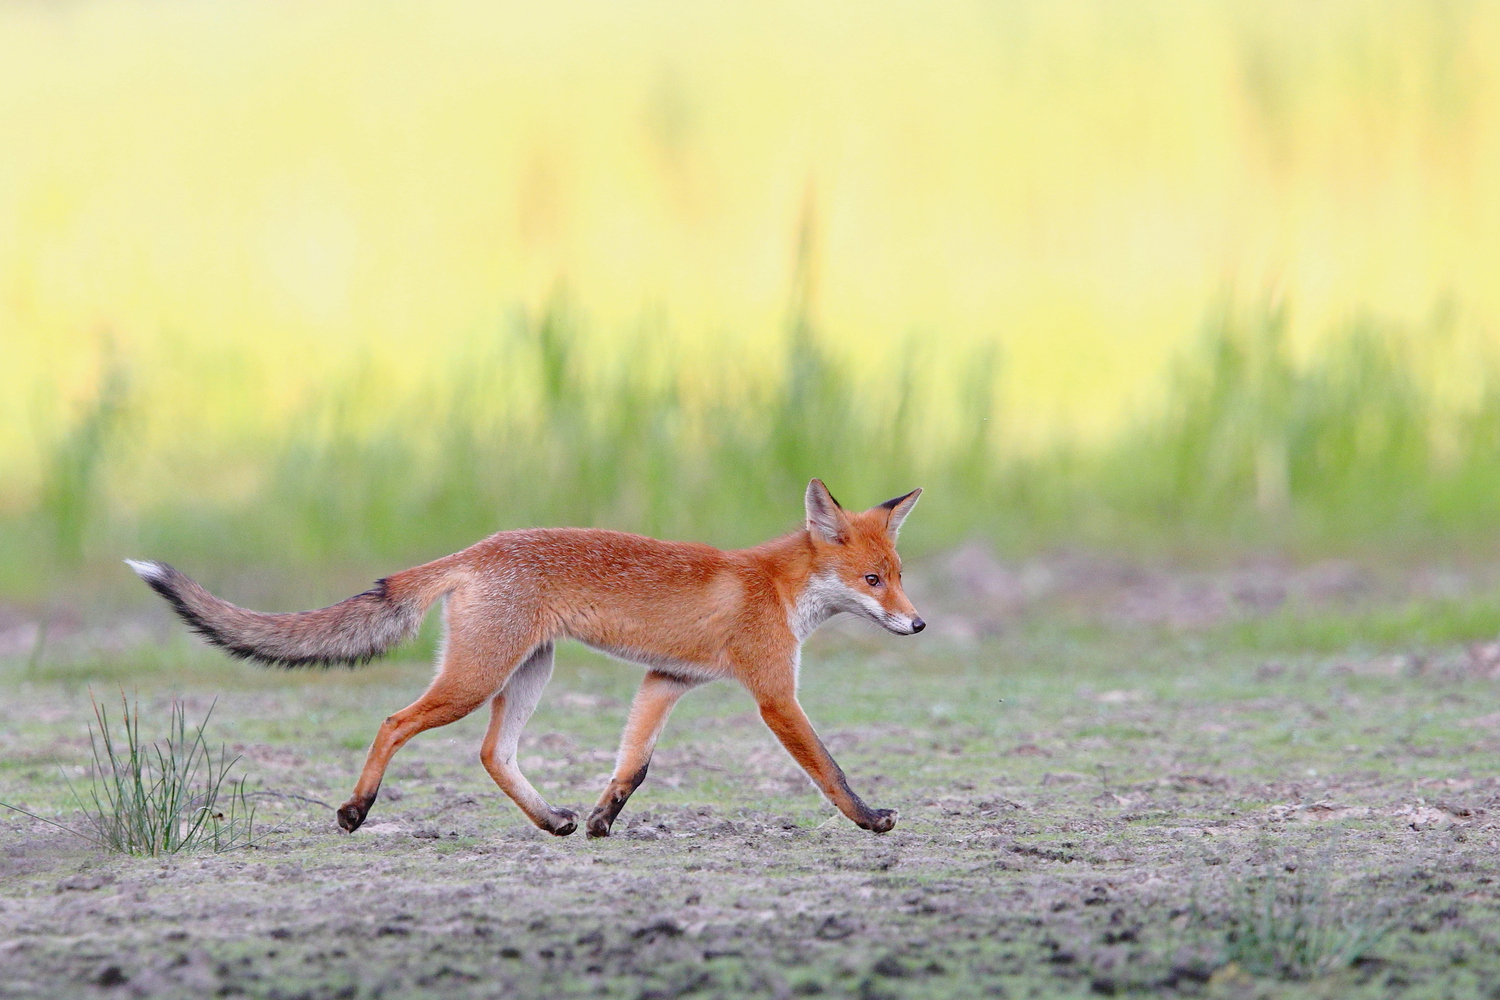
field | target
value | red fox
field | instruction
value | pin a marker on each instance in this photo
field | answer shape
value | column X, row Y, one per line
column 688, row 612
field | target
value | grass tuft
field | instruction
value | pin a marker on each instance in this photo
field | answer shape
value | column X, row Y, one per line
column 1286, row 921
column 165, row 797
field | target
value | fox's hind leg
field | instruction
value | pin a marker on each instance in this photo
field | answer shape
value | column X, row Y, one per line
column 509, row 712
column 648, row 714
column 439, row 705
column 474, row 667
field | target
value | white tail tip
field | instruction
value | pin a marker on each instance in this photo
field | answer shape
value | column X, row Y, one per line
column 146, row 569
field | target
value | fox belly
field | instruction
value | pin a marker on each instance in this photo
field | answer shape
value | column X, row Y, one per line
column 661, row 662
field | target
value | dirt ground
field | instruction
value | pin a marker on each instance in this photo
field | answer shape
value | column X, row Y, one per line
column 1097, row 793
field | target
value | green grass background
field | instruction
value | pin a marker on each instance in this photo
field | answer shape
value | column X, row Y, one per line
column 1347, row 452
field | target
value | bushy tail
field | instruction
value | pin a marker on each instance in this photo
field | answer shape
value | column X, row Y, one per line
column 352, row 631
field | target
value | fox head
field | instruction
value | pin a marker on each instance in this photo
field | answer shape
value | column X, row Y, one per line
column 855, row 565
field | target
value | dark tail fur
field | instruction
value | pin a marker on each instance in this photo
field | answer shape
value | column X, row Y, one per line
column 352, row 631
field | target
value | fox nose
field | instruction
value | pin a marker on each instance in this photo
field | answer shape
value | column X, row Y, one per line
column 917, row 625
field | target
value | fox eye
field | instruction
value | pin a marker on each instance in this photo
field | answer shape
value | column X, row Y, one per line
column 872, row 579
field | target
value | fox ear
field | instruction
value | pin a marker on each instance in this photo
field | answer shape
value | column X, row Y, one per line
column 898, row 509
column 825, row 518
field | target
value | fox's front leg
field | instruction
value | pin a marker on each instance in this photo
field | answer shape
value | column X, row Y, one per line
column 648, row 714
column 786, row 719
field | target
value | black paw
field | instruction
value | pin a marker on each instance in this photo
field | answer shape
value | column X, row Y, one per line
column 599, row 824
column 880, row 821
column 563, row 822
column 352, row 814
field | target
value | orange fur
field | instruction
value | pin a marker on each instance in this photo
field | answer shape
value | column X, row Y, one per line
column 689, row 612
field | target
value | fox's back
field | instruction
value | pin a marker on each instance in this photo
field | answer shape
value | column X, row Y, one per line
column 626, row 594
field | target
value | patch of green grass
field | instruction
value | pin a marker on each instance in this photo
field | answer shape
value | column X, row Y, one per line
column 1347, row 451
column 1377, row 626
column 71, row 502
column 1285, row 920
column 164, row 797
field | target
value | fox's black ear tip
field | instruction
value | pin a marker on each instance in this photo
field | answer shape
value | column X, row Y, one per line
column 817, row 489
column 895, row 502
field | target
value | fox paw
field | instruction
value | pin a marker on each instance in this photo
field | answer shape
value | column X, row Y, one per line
column 352, row 814
column 880, row 821
column 599, row 823
column 562, row 822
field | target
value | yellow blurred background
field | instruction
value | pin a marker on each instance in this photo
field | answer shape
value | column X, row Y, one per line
column 248, row 201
